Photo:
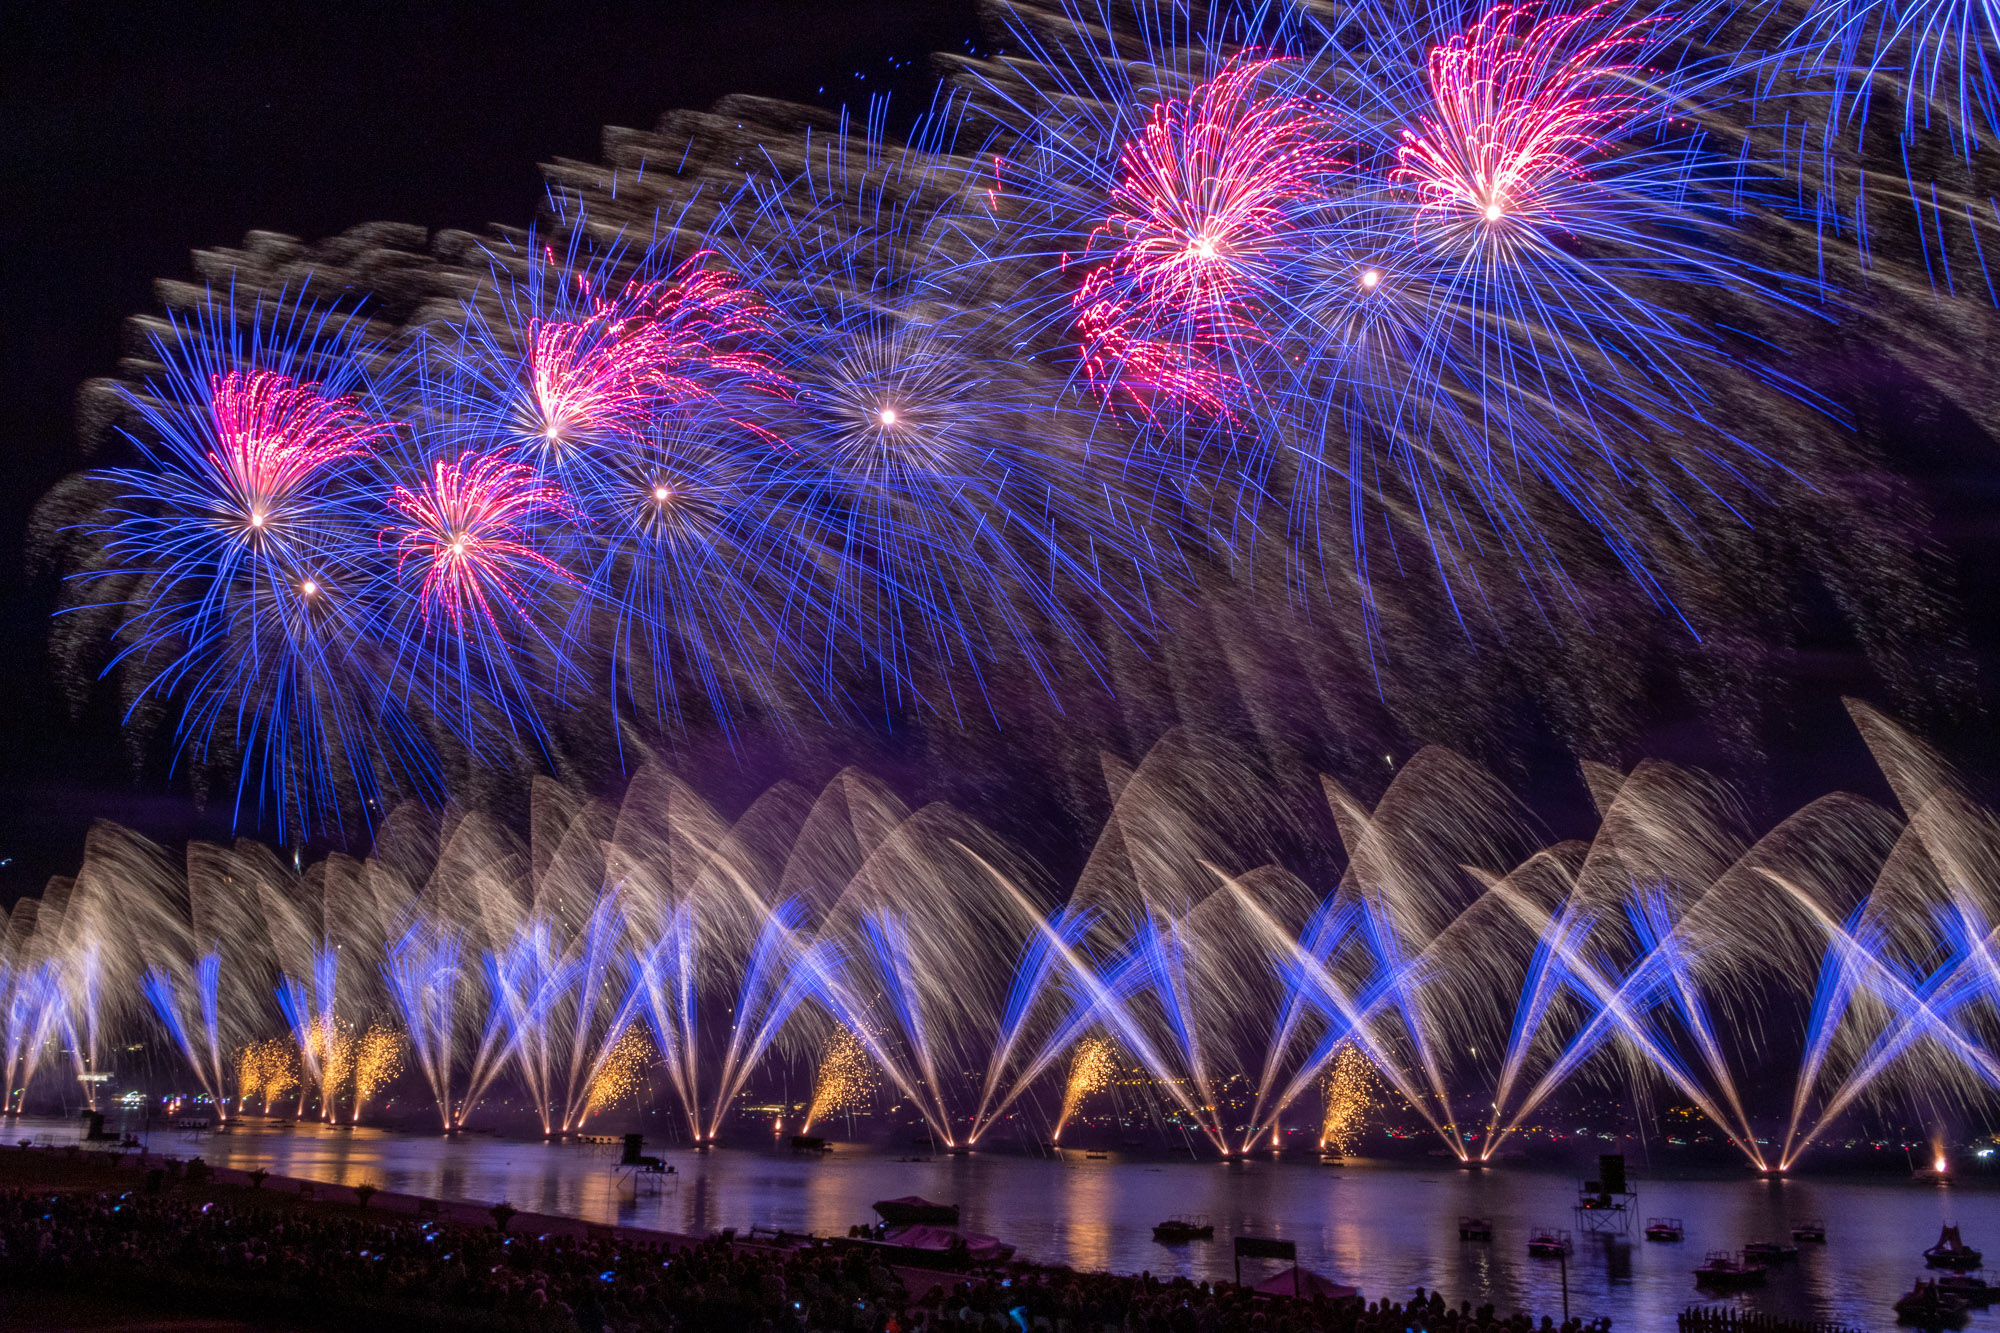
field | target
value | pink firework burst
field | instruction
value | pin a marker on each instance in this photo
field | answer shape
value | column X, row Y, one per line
column 671, row 340
column 1521, row 101
column 1201, row 215
column 273, row 432
column 469, row 529
column 1116, row 355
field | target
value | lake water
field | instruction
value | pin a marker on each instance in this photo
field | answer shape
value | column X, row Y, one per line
column 1381, row 1226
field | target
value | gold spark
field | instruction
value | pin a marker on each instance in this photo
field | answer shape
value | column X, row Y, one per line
column 1090, row 1070
column 329, row 1048
column 1352, row 1091
column 845, row 1078
column 621, row 1074
column 281, row 1070
column 266, row 1070
column 378, row 1058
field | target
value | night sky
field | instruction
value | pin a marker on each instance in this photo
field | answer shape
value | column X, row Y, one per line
column 131, row 135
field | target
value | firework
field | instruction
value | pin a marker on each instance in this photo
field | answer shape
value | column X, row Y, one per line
column 465, row 534
column 844, row 1081
column 423, row 973
column 194, row 1027
column 266, row 1071
column 378, row 1058
column 621, row 1076
column 237, row 558
column 1433, row 268
column 278, row 1062
column 961, row 515
column 1179, row 278
column 1521, row 104
column 324, row 1041
column 1458, row 960
column 592, row 346
column 559, row 998
column 686, row 541
column 332, row 1052
column 250, row 1075
column 1935, row 57
column 1177, row 347
column 1487, row 313
column 31, row 1012
column 630, row 384
column 1091, row 1069
column 1352, row 1093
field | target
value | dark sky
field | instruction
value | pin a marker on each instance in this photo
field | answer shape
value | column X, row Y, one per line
column 130, row 135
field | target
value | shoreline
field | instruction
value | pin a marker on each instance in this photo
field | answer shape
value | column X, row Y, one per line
column 85, row 1166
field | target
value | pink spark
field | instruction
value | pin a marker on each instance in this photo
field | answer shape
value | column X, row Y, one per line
column 1520, row 101
column 469, row 528
column 273, row 432
column 1205, row 199
column 669, row 341
column 1116, row 356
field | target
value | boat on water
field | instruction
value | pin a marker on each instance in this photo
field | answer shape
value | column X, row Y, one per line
column 1475, row 1228
column 1971, row 1288
column 1930, row 1306
column 1182, row 1228
column 1727, row 1271
column 1549, row 1244
column 1810, row 1232
column 942, row 1248
column 915, row 1210
column 1770, row 1251
column 1665, row 1229
column 1951, row 1251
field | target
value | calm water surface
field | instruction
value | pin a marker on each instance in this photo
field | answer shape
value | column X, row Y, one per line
column 1380, row 1226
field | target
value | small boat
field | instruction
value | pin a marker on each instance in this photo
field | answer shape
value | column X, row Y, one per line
column 1179, row 1230
column 810, row 1143
column 1096, row 1156
column 922, row 1246
column 1725, row 1270
column 1928, row 1306
column 1811, row 1232
column 913, row 1210
column 1549, row 1244
column 1951, row 1251
column 1770, row 1251
column 1475, row 1228
column 1970, row 1288
column 1665, row 1229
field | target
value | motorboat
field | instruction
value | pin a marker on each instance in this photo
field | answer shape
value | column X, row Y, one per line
column 1770, row 1251
column 1970, row 1288
column 1549, row 1244
column 1929, row 1306
column 914, row 1210
column 1727, row 1271
column 1181, row 1229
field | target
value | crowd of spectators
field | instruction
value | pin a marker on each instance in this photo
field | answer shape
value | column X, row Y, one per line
column 230, row 1250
